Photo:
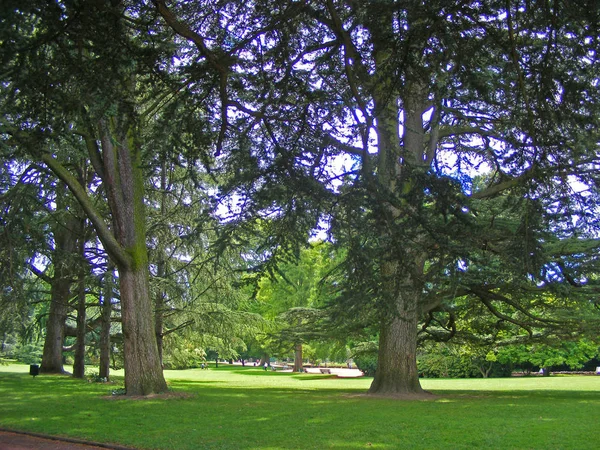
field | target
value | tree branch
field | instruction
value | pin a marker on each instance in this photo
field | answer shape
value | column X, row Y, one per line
column 108, row 240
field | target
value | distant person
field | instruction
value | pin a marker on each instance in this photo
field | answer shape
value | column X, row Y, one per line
column 265, row 366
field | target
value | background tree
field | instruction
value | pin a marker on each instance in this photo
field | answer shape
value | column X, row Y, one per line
column 293, row 300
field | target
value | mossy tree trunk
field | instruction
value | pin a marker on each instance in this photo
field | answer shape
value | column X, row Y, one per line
column 117, row 160
column 125, row 187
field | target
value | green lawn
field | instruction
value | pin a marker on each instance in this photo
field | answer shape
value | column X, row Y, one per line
column 247, row 408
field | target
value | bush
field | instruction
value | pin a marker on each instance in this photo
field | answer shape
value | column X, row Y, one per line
column 365, row 357
column 185, row 358
column 28, row 353
column 94, row 377
column 444, row 365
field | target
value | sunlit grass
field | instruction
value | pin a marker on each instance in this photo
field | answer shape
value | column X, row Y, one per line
column 235, row 407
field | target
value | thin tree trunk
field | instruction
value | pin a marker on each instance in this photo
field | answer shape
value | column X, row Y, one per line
column 106, row 310
column 79, row 363
column 159, row 301
column 158, row 324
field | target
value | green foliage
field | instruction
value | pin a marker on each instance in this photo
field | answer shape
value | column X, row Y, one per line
column 29, row 353
column 185, row 358
column 94, row 377
column 573, row 354
column 446, row 364
column 499, row 86
column 293, row 299
column 364, row 355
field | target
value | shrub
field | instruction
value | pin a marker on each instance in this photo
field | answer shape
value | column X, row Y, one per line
column 185, row 358
column 29, row 353
column 365, row 357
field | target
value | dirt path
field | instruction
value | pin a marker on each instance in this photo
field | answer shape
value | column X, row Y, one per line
column 25, row 441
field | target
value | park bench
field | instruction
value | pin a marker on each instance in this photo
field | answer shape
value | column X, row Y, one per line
column 328, row 371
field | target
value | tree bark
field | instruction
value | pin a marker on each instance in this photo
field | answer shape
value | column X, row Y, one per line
column 79, row 363
column 124, row 183
column 143, row 372
column 52, row 356
column 298, row 358
column 402, row 267
column 397, row 372
column 265, row 358
column 65, row 242
column 159, row 323
column 106, row 310
column 159, row 301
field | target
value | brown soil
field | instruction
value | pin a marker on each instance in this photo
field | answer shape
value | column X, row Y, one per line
column 10, row 440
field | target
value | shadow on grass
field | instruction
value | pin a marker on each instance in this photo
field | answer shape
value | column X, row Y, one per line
column 262, row 372
column 309, row 377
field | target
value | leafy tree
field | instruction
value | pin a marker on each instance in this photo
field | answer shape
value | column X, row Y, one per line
column 293, row 300
column 573, row 354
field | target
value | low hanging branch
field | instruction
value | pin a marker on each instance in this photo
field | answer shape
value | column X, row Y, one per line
column 487, row 297
column 108, row 239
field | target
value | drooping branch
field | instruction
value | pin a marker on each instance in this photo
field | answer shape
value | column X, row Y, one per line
column 38, row 273
column 487, row 297
column 497, row 188
column 104, row 233
column 572, row 246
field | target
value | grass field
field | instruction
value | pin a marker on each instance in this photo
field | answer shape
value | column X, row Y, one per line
column 246, row 408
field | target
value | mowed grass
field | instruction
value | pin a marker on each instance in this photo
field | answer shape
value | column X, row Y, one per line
column 246, row 408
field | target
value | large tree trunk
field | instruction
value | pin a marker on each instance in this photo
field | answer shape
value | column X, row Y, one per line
column 143, row 372
column 52, row 356
column 65, row 241
column 397, row 360
column 120, row 167
column 298, row 358
column 400, row 162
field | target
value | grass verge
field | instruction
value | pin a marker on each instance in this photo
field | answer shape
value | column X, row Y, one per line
column 247, row 408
